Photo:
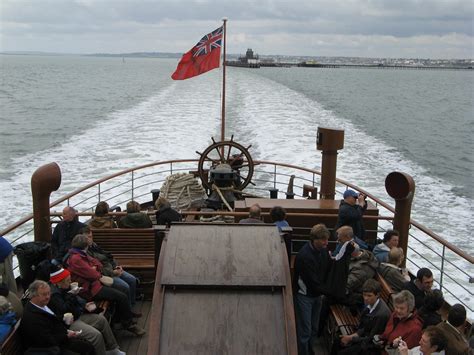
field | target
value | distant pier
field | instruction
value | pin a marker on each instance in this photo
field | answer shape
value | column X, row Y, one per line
column 271, row 64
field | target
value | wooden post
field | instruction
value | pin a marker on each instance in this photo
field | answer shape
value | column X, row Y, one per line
column 223, row 82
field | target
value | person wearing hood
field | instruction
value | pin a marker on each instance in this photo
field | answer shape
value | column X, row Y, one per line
column 351, row 210
column 134, row 218
column 7, row 318
column 101, row 218
column 165, row 215
column 363, row 266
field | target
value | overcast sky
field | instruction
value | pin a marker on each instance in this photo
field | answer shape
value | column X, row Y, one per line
column 364, row 28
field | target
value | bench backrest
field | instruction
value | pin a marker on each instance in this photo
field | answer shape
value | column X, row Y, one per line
column 387, row 291
column 129, row 246
column 12, row 344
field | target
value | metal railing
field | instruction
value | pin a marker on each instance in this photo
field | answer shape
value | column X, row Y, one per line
column 450, row 265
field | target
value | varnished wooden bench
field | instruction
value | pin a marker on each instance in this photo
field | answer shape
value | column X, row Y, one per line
column 343, row 319
column 131, row 248
column 387, row 291
column 12, row 345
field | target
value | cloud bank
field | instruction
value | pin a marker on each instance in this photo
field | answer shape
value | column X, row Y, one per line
column 366, row 28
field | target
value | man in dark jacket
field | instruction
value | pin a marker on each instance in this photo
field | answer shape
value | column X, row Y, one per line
column 351, row 210
column 420, row 286
column 40, row 328
column 373, row 320
column 311, row 267
column 64, row 232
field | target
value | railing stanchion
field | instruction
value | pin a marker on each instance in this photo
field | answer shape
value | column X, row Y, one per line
column 274, row 176
column 98, row 194
column 442, row 269
column 133, row 184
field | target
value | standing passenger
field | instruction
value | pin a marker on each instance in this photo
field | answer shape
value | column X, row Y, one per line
column 351, row 210
column 311, row 266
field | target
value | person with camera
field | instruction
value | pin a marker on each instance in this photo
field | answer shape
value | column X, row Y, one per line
column 351, row 211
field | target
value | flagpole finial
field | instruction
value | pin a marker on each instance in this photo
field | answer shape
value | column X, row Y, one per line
column 224, row 19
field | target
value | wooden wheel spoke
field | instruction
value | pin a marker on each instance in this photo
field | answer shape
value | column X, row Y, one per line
column 220, row 154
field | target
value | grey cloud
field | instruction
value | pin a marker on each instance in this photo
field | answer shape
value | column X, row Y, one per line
column 170, row 21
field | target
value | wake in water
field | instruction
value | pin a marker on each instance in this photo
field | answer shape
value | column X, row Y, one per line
column 280, row 124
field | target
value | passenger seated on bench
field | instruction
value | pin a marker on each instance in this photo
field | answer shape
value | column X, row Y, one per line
column 373, row 320
column 7, row 318
column 63, row 234
column 40, row 328
column 134, row 218
column 392, row 272
column 429, row 312
column 101, row 218
column 164, row 213
column 363, row 266
column 86, row 270
column 95, row 327
column 123, row 281
column 6, row 265
column 11, row 297
column 278, row 214
column 390, row 240
column 432, row 342
column 453, row 329
column 254, row 215
column 420, row 286
column 404, row 323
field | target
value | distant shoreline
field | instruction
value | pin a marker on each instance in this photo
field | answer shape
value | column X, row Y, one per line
column 284, row 60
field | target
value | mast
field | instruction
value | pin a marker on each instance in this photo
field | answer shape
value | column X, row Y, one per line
column 223, row 82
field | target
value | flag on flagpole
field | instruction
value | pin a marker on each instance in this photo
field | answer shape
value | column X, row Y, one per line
column 204, row 56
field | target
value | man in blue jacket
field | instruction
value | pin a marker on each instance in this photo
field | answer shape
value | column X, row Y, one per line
column 351, row 210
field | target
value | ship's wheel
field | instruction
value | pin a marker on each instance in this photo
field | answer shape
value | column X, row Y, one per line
column 230, row 153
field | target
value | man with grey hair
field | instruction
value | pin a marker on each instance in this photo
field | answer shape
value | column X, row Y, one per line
column 40, row 328
column 254, row 215
column 63, row 234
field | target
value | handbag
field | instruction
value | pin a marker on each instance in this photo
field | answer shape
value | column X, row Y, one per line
column 106, row 280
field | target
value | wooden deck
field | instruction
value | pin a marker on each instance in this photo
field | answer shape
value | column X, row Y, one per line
column 133, row 345
column 130, row 343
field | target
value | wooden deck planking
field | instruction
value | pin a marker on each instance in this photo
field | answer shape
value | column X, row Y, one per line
column 130, row 343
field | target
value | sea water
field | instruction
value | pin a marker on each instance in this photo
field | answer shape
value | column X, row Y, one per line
column 96, row 116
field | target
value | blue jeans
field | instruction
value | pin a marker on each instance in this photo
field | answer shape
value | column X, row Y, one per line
column 127, row 283
column 307, row 311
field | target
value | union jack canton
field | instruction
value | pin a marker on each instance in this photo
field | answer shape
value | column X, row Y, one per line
column 208, row 43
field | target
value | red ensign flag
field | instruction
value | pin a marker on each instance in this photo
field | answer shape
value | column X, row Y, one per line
column 204, row 56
